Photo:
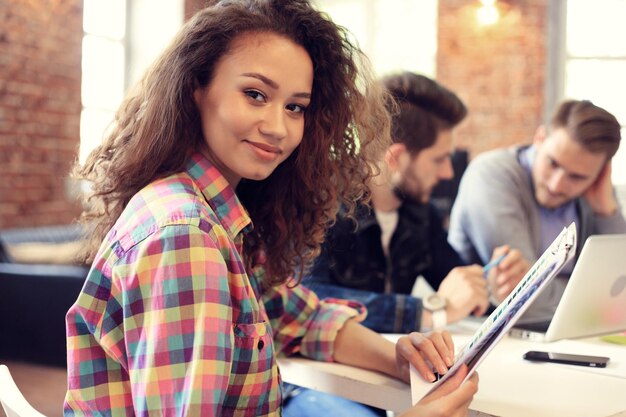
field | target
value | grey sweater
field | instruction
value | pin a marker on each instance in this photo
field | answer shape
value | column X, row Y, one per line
column 496, row 206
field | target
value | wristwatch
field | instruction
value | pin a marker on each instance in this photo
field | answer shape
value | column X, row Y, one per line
column 436, row 304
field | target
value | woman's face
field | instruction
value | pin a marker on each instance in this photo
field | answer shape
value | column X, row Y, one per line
column 253, row 110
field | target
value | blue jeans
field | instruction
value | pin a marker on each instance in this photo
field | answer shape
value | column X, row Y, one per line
column 386, row 313
column 309, row 403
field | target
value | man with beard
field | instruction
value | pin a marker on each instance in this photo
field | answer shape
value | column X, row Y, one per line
column 377, row 256
column 528, row 194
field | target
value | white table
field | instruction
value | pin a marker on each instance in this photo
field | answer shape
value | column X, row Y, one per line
column 509, row 385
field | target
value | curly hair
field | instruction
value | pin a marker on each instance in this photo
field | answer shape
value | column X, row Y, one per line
column 158, row 127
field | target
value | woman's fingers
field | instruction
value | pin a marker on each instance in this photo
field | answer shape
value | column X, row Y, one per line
column 410, row 348
column 445, row 347
column 428, row 350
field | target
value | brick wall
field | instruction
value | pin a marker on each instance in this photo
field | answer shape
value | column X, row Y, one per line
column 192, row 6
column 40, row 61
column 499, row 71
column 40, row 105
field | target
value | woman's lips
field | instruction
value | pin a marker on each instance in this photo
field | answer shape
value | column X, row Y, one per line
column 264, row 151
column 265, row 147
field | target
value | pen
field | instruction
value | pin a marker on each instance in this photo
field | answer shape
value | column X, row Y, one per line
column 493, row 264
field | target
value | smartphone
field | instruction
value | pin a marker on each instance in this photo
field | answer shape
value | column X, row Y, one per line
column 581, row 360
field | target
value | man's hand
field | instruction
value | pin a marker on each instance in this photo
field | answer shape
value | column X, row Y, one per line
column 504, row 277
column 465, row 289
column 600, row 194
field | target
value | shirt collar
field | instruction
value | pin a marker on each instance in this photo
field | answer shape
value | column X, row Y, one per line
column 418, row 213
column 526, row 157
column 220, row 195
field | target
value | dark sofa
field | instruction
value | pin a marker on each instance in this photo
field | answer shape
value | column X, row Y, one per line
column 34, row 298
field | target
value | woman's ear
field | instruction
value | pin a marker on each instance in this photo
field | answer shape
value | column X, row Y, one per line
column 197, row 95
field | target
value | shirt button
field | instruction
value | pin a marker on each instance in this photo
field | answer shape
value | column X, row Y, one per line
column 261, row 344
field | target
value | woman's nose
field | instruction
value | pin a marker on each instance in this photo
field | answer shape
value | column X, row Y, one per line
column 273, row 123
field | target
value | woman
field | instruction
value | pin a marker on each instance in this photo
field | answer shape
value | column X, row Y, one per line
column 215, row 184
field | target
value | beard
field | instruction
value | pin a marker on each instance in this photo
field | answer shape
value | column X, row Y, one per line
column 402, row 192
column 408, row 186
column 550, row 200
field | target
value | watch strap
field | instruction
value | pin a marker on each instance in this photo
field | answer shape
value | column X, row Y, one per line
column 440, row 319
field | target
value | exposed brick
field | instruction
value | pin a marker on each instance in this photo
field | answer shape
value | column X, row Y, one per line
column 40, row 82
column 499, row 71
column 193, row 6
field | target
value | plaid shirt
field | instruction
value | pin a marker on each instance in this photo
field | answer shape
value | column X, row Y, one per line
column 170, row 323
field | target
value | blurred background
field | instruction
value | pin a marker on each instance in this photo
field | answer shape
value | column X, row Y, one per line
column 65, row 66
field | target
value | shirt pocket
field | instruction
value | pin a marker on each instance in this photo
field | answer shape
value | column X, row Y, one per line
column 254, row 381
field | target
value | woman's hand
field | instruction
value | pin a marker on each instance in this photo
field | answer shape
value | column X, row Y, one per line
column 427, row 353
column 451, row 399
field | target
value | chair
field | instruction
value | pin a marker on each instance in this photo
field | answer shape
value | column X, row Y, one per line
column 12, row 400
column 50, row 289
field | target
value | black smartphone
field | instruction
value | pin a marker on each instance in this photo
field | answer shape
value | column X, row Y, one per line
column 582, row 360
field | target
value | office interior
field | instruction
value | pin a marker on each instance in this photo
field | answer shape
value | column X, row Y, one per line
column 65, row 65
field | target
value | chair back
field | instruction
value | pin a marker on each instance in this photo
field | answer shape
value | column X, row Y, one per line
column 4, row 253
column 12, row 400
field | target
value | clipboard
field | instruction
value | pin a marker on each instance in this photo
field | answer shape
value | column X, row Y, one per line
column 507, row 313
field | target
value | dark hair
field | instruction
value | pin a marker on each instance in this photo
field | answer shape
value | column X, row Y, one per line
column 594, row 128
column 421, row 110
column 158, row 127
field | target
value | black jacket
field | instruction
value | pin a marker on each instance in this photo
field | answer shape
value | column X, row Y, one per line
column 353, row 265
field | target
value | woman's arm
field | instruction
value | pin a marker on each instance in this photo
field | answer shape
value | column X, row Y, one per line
column 359, row 346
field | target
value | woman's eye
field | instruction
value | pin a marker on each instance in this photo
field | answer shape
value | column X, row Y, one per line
column 255, row 95
column 296, row 108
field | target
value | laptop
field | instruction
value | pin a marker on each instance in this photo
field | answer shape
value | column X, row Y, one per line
column 594, row 300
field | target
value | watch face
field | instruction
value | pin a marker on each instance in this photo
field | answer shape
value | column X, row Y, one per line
column 434, row 302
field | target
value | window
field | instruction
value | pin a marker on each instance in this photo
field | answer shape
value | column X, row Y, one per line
column 395, row 34
column 595, row 61
column 121, row 39
column 104, row 25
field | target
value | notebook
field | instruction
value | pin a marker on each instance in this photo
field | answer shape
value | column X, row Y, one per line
column 594, row 300
column 507, row 313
